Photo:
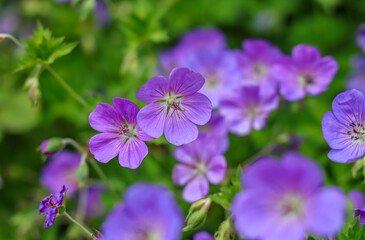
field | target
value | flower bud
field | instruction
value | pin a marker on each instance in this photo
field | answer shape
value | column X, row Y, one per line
column 197, row 214
column 82, row 173
column 51, row 146
column 225, row 230
column 32, row 84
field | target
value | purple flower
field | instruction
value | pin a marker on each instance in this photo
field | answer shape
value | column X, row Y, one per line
column 306, row 72
column 356, row 79
column 8, row 21
column 217, row 129
column 357, row 199
column 94, row 205
column 61, row 170
column 43, row 148
column 200, row 163
column 175, row 106
column 148, row 212
column 49, row 206
column 360, row 37
column 203, row 236
column 247, row 109
column 194, row 40
column 344, row 129
column 286, row 200
column 216, row 66
column 120, row 133
column 255, row 65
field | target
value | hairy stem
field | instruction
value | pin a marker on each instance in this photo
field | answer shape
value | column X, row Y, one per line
column 68, row 89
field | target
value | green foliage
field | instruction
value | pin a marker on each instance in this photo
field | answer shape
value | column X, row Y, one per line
column 43, row 48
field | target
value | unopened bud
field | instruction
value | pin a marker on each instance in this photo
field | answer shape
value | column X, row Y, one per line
column 197, row 214
column 82, row 173
column 51, row 146
column 225, row 230
column 32, row 84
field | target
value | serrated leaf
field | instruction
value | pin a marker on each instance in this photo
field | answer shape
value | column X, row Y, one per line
column 42, row 48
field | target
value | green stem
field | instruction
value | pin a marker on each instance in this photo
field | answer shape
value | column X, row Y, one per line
column 16, row 41
column 103, row 177
column 67, row 87
column 78, row 224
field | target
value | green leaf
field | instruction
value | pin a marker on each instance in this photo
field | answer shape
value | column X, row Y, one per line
column 42, row 48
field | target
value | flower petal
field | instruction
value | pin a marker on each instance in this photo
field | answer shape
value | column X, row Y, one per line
column 132, row 153
column 216, row 169
column 184, row 82
column 334, row 132
column 348, row 154
column 349, row 107
column 185, row 154
column 357, row 199
column 105, row 118
column 306, row 55
column 151, row 119
column 154, row 89
column 105, row 146
column 326, row 212
column 323, row 75
column 196, row 189
column 182, row 174
column 197, row 108
column 179, row 130
column 127, row 109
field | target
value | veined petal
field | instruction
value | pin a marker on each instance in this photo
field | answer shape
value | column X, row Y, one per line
column 127, row 109
column 197, row 108
column 216, row 169
column 348, row 154
column 106, row 146
column 178, row 129
column 105, row 118
column 196, row 189
column 184, row 82
column 182, row 174
column 155, row 89
column 151, row 119
column 132, row 153
column 349, row 107
column 334, row 132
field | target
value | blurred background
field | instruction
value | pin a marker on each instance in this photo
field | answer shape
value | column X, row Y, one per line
column 117, row 53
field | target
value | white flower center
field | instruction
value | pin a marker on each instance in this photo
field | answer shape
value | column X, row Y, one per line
column 291, row 205
column 305, row 80
column 357, row 132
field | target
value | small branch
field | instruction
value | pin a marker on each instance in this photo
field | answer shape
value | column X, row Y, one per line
column 78, row 224
column 68, row 89
column 12, row 38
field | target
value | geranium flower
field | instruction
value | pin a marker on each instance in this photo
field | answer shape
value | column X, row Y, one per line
column 306, row 72
column 286, row 200
column 175, row 106
column 120, row 133
column 201, row 162
column 344, row 128
column 49, row 206
column 147, row 212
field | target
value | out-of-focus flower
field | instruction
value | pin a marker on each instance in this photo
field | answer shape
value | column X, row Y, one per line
column 120, row 133
column 49, row 206
column 50, row 146
column 94, row 205
column 216, row 66
column 200, row 163
column 357, row 198
column 247, row 109
column 8, row 22
column 255, row 65
column 306, row 72
column 102, row 14
column 360, row 37
column 286, row 200
column 175, row 106
column 203, row 236
column 148, row 212
column 195, row 40
column 344, row 128
column 218, row 131
column 356, row 79
column 61, row 170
